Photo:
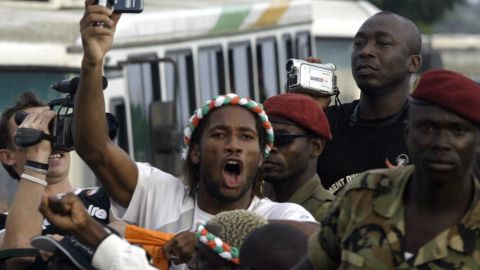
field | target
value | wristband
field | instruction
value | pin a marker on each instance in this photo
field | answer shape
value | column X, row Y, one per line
column 34, row 179
column 35, row 169
column 37, row 165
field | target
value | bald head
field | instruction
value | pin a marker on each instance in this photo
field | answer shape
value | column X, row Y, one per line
column 407, row 27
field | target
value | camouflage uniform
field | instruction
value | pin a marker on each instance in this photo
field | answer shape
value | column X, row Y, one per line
column 364, row 229
column 313, row 197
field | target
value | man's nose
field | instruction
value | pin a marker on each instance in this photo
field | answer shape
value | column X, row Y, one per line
column 367, row 50
column 233, row 145
column 442, row 139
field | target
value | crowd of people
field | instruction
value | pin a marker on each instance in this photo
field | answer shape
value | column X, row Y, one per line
column 384, row 182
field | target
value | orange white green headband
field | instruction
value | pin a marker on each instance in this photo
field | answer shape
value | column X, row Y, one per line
column 230, row 99
column 224, row 250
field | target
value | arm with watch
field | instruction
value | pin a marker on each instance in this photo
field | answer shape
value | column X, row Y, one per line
column 111, row 251
column 24, row 220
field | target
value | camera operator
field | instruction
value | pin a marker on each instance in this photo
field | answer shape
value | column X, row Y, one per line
column 369, row 133
column 40, row 170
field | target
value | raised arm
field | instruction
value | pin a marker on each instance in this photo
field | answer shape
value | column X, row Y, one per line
column 24, row 220
column 114, row 168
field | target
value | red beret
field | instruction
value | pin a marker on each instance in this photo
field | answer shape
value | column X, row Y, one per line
column 450, row 90
column 300, row 109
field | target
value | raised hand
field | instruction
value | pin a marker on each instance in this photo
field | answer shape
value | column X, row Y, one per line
column 97, row 28
column 38, row 118
column 69, row 214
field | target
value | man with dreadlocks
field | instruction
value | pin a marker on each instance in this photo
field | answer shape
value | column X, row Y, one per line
column 227, row 142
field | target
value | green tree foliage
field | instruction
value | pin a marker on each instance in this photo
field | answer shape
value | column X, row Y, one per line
column 423, row 12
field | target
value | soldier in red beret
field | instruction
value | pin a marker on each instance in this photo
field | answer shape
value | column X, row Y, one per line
column 301, row 130
column 422, row 216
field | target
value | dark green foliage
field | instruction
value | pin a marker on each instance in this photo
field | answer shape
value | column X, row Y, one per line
column 423, row 12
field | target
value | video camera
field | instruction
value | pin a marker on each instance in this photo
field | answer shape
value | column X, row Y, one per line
column 311, row 78
column 61, row 126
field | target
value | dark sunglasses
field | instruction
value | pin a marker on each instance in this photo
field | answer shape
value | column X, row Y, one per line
column 284, row 139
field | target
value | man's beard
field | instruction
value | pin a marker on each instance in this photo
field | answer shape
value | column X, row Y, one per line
column 214, row 191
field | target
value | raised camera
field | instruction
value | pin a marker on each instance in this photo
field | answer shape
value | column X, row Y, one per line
column 311, row 78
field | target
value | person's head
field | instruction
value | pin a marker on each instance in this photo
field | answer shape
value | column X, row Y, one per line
column 301, row 129
column 386, row 51
column 274, row 246
column 11, row 155
column 443, row 131
column 219, row 240
column 227, row 141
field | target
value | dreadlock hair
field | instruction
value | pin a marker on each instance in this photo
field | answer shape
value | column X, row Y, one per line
column 192, row 171
column 25, row 101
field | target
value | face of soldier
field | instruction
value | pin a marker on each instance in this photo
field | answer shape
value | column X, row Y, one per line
column 442, row 144
column 290, row 155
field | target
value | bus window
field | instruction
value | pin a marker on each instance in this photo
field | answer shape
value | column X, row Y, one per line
column 211, row 72
column 338, row 51
column 117, row 108
column 304, row 48
column 141, row 95
column 240, row 69
column 267, row 68
column 286, row 52
column 186, row 84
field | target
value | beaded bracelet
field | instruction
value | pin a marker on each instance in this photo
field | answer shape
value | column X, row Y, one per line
column 223, row 249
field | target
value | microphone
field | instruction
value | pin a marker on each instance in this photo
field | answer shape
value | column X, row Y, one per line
column 70, row 86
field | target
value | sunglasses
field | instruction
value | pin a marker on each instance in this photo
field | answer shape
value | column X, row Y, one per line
column 285, row 139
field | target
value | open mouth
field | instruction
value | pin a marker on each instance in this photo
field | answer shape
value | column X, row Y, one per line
column 231, row 173
column 55, row 156
column 233, row 167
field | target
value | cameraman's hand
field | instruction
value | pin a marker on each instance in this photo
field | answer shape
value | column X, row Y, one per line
column 38, row 118
column 68, row 213
column 96, row 39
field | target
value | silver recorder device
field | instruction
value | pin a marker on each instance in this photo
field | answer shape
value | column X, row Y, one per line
column 311, row 78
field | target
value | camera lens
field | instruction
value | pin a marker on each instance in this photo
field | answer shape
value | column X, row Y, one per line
column 290, row 66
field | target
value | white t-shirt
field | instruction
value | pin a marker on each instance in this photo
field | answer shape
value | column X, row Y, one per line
column 161, row 202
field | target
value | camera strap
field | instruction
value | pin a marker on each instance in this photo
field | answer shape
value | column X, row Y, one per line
column 25, row 137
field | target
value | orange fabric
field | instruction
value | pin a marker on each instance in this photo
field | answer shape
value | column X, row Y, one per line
column 150, row 240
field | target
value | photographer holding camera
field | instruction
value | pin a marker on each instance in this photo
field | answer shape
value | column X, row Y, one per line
column 369, row 133
column 40, row 169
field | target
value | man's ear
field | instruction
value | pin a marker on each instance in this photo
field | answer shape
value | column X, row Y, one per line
column 194, row 153
column 414, row 63
column 317, row 147
column 6, row 156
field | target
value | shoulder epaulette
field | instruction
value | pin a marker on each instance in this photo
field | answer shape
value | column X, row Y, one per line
column 379, row 180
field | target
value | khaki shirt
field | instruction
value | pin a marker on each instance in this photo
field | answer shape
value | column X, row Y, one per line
column 364, row 228
column 313, row 197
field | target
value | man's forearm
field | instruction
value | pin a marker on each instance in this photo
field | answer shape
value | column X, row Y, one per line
column 24, row 220
column 90, row 123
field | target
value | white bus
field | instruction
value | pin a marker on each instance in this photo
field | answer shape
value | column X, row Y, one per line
column 216, row 47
